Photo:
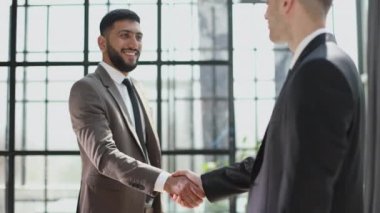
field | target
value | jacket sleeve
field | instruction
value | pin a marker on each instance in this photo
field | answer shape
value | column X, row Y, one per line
column 235, row 179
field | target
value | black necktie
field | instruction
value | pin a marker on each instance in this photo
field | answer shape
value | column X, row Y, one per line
column 136, row 112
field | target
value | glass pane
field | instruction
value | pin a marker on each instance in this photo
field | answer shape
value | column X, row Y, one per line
column 265, row 63
column 31, row 83
column 43, row 119
column 264, row 111
column 96, row 13
column 30, row 108
column 252, row 68
column 3, row 106
column 342, row 21
column 21, row 34
column 54, row 2
column 36, row 37
column 62, row 43
column 252, row 34
column 60, row 135
column 3, row 172
column 255, row 79
column 194, row 107
column 186, row 81
column 47, row 184
column 30, row 126
column 266, row 89
column 179, row 1
column 92, row 69
column 246, row 123
column 131, row 1
column 199, row 164
column 4, row 29
column 39, row 83
column 60, row 80
column 245, row 88
column 200, row 35
column 43, row 32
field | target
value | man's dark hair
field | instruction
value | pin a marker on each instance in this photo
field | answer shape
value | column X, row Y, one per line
column 116, row 15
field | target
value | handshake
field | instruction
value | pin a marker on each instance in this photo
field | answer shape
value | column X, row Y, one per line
column 185, row 188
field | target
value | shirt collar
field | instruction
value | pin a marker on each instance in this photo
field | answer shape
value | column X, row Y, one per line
column 301, row 46
column 115, row 74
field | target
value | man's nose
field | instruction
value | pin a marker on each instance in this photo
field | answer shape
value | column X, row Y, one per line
column 133, row 42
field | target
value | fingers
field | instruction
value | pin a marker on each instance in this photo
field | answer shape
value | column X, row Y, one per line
column 180, row 172
column 187, row 194
column 188, row 203
column 178, row 200
column 184, row 191
column 191, row 176
column 192, row 194
column 198, row 192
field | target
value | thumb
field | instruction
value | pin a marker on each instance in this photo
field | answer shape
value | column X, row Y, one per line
column 193, row 177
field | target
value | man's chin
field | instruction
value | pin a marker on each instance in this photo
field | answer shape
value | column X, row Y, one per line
column 128, row 68
column 126, row 71
column 122, row 65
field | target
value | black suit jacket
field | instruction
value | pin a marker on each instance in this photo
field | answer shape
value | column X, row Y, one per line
column 310, row 160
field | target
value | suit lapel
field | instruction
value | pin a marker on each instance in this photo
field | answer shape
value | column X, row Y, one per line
column 152, row 143
column 145, row 106
column 110, row 85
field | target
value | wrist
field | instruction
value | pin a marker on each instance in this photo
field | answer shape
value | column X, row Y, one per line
column 167, row 184
column 160, row 181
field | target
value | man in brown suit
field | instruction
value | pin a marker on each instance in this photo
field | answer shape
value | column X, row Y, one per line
column 118, row 144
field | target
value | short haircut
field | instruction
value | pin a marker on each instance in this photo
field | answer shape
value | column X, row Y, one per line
column 326, row 5
column 317, row 8
column 116, row 15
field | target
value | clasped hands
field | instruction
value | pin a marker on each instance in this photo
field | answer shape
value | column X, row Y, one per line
column 185, row 187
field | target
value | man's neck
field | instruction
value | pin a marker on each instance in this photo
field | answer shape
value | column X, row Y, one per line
column 302, row 25
column 301, row 31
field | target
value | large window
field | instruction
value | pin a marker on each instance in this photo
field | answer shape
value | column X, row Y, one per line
column 209, row 69
column 3, row 106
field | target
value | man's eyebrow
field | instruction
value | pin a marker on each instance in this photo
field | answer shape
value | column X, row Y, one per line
column 130, row 31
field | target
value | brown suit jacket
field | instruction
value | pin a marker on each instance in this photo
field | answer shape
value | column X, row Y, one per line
column 115, row 175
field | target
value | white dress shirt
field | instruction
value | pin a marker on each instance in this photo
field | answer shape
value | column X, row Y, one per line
column 302, row 45
column 118, row 79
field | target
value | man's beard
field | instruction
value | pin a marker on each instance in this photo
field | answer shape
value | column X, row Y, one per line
column 118, row 61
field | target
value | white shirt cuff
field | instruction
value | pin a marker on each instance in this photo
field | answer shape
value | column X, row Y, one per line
column 161, row 180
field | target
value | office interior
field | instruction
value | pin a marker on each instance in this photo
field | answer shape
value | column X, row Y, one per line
column 210, row 71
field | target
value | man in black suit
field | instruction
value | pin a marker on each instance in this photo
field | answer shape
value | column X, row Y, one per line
column 310, row 160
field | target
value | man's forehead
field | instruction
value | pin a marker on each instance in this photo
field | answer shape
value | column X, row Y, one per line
column 127, row 25
column 130, row 31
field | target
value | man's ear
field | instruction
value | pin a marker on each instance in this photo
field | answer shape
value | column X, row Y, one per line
column 287, row 5
column 102, row 43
